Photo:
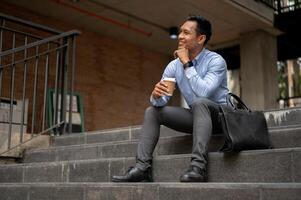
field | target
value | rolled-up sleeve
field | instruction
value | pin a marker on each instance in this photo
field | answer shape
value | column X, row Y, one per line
column 207, row 85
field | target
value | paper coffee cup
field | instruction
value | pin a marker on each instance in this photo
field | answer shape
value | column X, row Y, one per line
column 171, row 83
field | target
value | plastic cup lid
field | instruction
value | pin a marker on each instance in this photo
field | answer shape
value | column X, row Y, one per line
column 169, row 79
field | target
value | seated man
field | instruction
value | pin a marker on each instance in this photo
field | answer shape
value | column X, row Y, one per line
column 201, row 76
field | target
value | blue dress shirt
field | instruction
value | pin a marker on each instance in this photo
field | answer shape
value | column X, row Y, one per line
column 206, row 78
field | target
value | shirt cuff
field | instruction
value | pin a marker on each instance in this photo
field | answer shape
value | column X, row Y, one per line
column 190, row 72
column 158, row 102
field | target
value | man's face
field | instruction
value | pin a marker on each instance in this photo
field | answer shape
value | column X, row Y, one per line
column 188, row 37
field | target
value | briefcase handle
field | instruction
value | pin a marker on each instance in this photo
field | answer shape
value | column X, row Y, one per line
column 230, row 103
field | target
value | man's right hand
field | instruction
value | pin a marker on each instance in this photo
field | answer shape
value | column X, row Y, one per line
column 160, row 90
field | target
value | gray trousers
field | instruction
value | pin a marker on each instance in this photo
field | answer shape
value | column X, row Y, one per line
column 200, row 121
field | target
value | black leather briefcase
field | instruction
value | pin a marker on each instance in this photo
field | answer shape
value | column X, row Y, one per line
column 243, row 129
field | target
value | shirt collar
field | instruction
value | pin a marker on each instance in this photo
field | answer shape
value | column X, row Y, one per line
column 198, row 58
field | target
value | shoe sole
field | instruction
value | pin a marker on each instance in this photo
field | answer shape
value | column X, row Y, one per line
column 122, row 181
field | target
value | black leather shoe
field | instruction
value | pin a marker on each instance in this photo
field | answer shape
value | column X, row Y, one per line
column 134, row 175
column 194, row 174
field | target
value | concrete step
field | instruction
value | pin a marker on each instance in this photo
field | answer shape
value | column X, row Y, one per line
column 283, row 117
column 110, row 135
column 280, row 138
column 272, row 165
column 275, row 119
column 152, row 191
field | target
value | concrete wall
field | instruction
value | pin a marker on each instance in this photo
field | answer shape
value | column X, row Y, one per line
column 114, row 78
column 259, row 82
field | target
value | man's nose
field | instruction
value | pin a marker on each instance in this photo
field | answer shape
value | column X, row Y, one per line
column 180, row 36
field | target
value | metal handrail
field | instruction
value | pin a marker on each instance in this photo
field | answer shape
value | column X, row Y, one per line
column 23, row 33
column 30, row 24
column 37, row 135
column 289, row 98
column 44, row 41
column 287, row 101
column 31, row 57
column 289, row 8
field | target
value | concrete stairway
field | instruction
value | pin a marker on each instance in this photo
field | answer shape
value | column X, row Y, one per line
column 80, row 166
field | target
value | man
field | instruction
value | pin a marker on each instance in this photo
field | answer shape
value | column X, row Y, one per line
column 201, row 76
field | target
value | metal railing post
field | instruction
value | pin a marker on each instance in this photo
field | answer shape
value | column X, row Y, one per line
column 1, row 44
column 56, row 85
column 12, row 90
column 23, row 91
column 279, row 6
column 72, row 82
column 45, row 87
column 64, row 85
column 36, row 71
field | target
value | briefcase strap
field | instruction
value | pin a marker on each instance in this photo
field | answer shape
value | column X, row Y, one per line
column 231, row 104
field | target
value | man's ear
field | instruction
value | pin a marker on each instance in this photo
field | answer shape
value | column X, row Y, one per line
column 201, row 39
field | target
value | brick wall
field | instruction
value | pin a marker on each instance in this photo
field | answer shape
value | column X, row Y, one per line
column 115, row 78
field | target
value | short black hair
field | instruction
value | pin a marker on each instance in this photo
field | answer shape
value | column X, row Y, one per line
column 203, row 26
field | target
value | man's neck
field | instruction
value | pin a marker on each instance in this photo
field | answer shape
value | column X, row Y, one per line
column 194, row 53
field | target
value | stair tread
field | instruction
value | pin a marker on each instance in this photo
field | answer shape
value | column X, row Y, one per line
column 152, row 191
column 104, row 143
column 281, row 138
column 165, row 184
column 246, row 166
column 130, row 134
column 273, row 131
column 277, row 113
column 158, row 157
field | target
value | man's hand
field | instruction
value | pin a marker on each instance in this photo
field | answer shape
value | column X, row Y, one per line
column 182, row 54
column 160, row 90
